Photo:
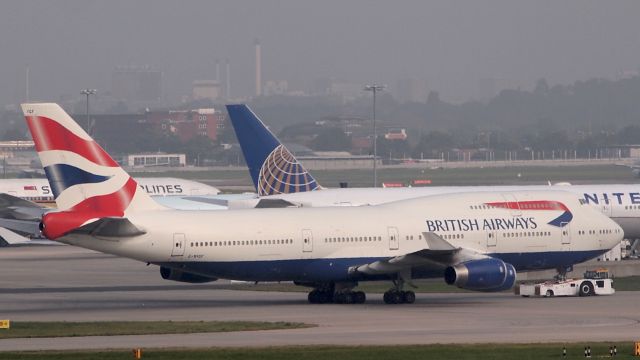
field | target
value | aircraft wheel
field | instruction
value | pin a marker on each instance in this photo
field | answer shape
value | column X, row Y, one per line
column 359, row 297
column 408, row 297
column 314, row 297
column 348, row 298
column 392, row 297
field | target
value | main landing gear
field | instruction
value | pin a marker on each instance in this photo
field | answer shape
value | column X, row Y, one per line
column 342, row 293
column 337, row 294
column 396, row 295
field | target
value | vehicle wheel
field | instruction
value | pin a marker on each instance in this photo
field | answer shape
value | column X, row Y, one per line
column 549, row 293
column 359, row 297
column 408, row 297
column 339, row 298
column 586, row 289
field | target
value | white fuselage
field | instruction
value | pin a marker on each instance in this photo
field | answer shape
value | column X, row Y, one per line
column 38, row 190
column 620, row 202
column 322, row 243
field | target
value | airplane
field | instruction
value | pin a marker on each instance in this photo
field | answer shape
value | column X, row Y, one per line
column 39, row 190
column 476, row 241
column 17, row 218
column 264, row 153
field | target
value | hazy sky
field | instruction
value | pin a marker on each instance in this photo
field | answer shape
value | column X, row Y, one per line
column 74, row 44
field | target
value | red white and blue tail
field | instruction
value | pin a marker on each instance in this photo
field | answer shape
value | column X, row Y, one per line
column 84, row 179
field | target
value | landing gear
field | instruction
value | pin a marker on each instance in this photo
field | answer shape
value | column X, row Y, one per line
column 562, row 272
column 394, row 296
column 320, row 297
column 340, row 293
column 397, row 295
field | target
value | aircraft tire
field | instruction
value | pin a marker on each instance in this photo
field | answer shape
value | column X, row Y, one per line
column 408, row 297
column 359, row 297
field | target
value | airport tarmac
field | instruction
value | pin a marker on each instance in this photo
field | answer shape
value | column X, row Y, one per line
column 62, row 283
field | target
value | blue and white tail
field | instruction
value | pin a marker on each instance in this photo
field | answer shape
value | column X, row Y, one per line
column 273, row 169
column 84, row 179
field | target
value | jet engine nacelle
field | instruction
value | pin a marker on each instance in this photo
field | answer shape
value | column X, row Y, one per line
column 481, row 275
column 183, row 276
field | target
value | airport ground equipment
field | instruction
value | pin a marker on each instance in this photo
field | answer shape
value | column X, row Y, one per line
column 595, row 282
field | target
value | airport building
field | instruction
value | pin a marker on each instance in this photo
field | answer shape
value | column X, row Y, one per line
column 152, row 160
column 187, row 124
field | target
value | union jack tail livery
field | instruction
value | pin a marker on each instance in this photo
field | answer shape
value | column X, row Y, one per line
column 274, row 170
column 86, row 182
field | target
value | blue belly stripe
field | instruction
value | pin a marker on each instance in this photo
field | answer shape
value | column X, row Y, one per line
column 325, row 270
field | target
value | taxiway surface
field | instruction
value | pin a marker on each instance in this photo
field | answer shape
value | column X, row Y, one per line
column 63, row 283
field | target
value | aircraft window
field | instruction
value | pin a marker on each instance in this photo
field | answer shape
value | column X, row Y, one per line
column 419, row 237
column 379, row 238
column 192, row 244
column 411, row 238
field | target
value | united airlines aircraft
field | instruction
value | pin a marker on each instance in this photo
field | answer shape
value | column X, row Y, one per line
column 476, row 241
column 277, row 174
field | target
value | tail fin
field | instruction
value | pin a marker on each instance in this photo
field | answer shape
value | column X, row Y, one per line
column 273, row 169
column 83, row 177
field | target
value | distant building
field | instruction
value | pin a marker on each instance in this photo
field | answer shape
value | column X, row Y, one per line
column 136, row 84
column 396, row 134
column 206, row 89
column 156, row 159
column 187, row 124
column 276, row 87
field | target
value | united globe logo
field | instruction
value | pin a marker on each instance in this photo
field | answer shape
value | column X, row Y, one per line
column 281, row 173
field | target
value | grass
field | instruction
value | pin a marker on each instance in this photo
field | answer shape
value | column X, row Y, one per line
column 20, row 329
column 438, row 176
column 629, row 283
column 404, row 352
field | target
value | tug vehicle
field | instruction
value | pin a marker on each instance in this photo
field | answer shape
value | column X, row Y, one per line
column 595, row 282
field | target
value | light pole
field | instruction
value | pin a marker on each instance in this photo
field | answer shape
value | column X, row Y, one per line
column 374, row 88
column 88, row 92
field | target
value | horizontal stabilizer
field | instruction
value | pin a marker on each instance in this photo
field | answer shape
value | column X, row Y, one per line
column 207, row 200
column 110, row 227
column 28, row 228
column 7, row 200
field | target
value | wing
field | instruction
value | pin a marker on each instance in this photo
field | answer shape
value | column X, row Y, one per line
column 437, row 253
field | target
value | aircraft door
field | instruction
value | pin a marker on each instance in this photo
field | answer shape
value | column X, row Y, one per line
column 307, row 241
column 565, row 234
column 513, row 205
column 394, row 238
column 179, row 242
column 492, row 239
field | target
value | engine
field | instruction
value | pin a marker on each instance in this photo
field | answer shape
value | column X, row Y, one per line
column 481, row 275
column 183, row 276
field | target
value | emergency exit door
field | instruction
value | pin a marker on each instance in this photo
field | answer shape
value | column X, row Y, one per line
column 307, row 241
column 394, row 241
column 179, row 242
